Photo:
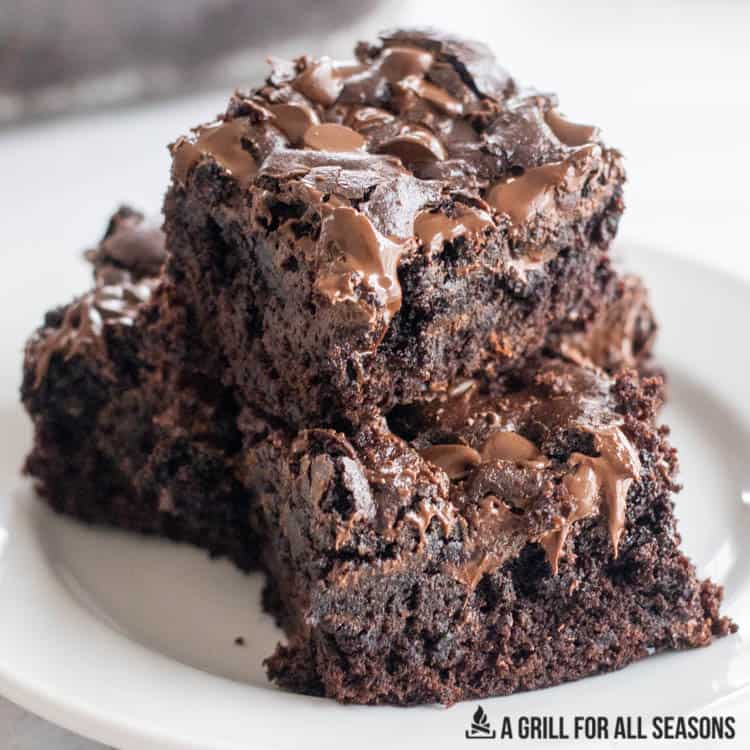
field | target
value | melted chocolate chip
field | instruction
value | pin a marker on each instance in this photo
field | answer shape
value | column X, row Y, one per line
column 397, row 63
column 510, row 446
column 493, row 538
column 473, row 61
column 425, row 513
column 364, row 119
column 294, row 120
column 434, row 228
column 436, row 96
column 534, row 190
column 611, row 472
column 414, row 145
column 322, row 81
column 223, row 142
column 570, row 133
column 595, row 479
column 362, row 256
column 455, row 460
column 332, row 137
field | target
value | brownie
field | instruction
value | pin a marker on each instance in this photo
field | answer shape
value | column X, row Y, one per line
column 357, row 235
column 514, row 535
column 121, row 435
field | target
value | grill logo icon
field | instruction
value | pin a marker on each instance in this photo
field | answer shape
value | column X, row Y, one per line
column 480, row 727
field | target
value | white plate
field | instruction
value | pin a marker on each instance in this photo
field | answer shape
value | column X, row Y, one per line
column 131, row 641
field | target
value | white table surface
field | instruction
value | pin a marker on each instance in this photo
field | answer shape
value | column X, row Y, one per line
column 666, row 80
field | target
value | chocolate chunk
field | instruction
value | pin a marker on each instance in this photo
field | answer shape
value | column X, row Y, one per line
column 294, row 120
column 361, row 255
column 130, row 244
column 473, row 61
column 221, row 141
column 332, row 137
column 138, row 249
column 393, row 205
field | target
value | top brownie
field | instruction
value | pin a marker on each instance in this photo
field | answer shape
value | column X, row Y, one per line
column 356, row 235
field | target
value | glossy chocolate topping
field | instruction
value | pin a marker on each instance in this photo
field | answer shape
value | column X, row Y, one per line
column 434, row 228
column 362, row 255
column 83, row 322
column 126, row 264
column 431, row 114
column 223, row 142
column 495, row 459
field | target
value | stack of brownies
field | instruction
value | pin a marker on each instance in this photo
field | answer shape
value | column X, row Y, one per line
column 381, row 354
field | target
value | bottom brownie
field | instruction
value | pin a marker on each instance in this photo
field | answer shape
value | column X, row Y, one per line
column 516, row 534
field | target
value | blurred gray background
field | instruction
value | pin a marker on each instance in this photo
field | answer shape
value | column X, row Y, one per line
column 62, row 56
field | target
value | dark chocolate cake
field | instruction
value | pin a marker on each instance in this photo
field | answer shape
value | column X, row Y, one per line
column 358, row 235
column 516, row 535
column 384, row 359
